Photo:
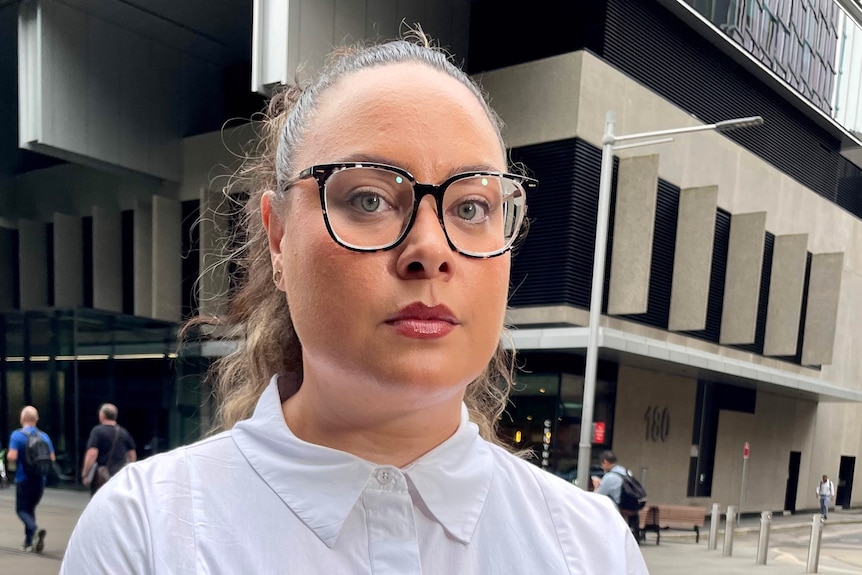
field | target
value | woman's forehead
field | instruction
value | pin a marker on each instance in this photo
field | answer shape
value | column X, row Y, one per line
column 397, row 109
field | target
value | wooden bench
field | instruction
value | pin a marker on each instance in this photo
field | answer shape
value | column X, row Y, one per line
column 661, row 516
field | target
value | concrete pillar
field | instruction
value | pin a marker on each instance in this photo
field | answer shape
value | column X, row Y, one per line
column 33, row 261
column 107, row 260
column 68, row 261
column 143, row 264
column 167, row 263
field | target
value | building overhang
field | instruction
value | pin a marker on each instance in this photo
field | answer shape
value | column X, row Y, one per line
column 851, row 144
column 657, row 355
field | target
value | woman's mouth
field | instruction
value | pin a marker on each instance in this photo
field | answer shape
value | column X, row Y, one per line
column 422, row 321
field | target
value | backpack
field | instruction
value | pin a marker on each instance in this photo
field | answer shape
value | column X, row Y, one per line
column 632, row 493
column 37, row 455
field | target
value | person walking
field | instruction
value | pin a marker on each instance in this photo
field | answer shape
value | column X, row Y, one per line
column 109, row 448
column 825, row 492
column 33, row 453
column 611, row 484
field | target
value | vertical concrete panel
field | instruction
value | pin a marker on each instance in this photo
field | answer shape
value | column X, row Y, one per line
column 68, row 262
column 786, row 283
column 143, row 250
column 214, row 229
column 742, row 280
column 634, row 221
column 8, row 259
column 33, row 261
column 824, row 288
column 167, row 263
column 692, row 264
column 107, row 260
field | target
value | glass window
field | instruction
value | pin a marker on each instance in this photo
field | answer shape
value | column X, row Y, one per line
column 547, row 407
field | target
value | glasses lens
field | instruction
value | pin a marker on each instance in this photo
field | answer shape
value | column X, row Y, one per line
column 483, row 214
column 368, row 208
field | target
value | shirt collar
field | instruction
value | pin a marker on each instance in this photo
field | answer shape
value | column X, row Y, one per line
column 321, row 485
column 454, row 479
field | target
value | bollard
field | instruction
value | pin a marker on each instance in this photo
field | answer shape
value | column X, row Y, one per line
column 763, row 540
column 729, row 522
column 714, row 520
column 814, row 544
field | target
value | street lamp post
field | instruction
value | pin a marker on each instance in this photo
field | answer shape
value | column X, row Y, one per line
column 611, row 143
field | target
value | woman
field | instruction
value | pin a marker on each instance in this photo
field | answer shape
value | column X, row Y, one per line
column 380, row 228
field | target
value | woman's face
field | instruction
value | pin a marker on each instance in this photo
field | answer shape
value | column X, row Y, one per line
column 364, row 318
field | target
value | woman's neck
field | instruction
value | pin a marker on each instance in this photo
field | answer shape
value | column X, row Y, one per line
column 387, row 425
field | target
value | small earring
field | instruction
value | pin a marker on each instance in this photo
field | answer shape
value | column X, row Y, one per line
column 276, row 277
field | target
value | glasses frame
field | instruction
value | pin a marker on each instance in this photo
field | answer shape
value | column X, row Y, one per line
column 322, row 172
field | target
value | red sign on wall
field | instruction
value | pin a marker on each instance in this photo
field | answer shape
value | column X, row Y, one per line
column 599, row 432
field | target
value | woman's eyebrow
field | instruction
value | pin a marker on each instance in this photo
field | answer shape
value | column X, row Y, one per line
column 483, row 167
column 366, row 158
column 475, row 168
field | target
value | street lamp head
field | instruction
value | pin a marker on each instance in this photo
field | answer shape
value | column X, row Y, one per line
column 727, row 125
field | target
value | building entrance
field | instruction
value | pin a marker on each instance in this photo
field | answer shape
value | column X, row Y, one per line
column 792, row 481
column 845, row 481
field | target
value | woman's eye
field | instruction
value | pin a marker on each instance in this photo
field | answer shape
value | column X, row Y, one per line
column 472, row 210
column 368, row 202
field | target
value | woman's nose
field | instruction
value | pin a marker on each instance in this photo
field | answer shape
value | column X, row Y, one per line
column 426, row 252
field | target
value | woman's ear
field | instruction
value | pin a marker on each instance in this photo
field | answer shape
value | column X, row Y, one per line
column 273, row 225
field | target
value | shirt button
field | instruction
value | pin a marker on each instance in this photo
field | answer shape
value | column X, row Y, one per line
column 384, row 476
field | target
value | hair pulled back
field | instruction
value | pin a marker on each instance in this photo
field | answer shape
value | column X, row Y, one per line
column 258, row 316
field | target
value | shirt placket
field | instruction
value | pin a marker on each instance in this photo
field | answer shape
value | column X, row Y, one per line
column 393, row 545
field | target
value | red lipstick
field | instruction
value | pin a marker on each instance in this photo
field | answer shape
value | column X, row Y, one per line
column 421, row 321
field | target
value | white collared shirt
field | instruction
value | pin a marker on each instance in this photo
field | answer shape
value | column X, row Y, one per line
column 257, row 499
column 826, row 489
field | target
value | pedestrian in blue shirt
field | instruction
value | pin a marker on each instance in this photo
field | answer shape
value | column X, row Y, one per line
column 30, row 475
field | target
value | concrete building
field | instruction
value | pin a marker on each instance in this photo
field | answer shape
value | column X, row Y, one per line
column 734, row 276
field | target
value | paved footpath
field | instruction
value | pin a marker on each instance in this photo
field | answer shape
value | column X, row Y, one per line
column 57, row 513
column 788, row 548
column 678, row 553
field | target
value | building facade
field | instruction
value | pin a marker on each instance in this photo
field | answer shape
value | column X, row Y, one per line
column 733, row 288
